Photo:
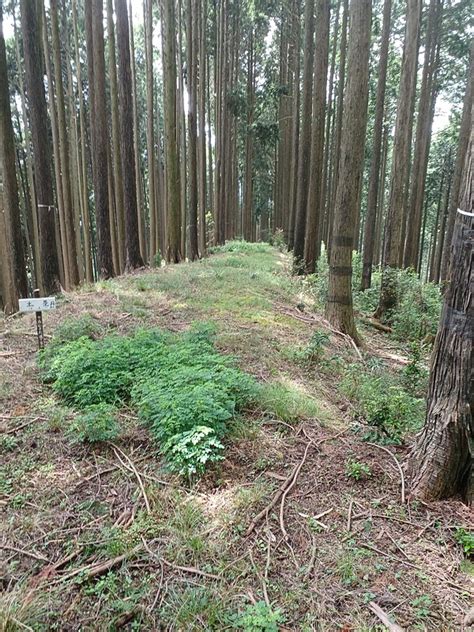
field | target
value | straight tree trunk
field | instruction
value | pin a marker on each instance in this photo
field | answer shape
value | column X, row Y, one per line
column 13, row 256
column 247, row 217
column 442, row 233
column 116, row 154
column 202, row 9
column 374, row 177
column 443, row 455
column 31, row 30
column 304, row 149
column 150, row 130
column 99, row 137
column 426, row 108
column 173, row 202
column 315, row 212
column 339, row 310
column 295, row 131
column 400, row 161
column 65, row 180
column 191, row 49
column 336, row 149
column 133, row 258
column 136, row 146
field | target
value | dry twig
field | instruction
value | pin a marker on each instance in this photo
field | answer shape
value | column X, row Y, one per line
column 399, row 467
column 377, row 610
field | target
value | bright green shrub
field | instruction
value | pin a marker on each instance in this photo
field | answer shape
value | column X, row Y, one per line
column 182, row 387
column 96, row 423
column 69, row 330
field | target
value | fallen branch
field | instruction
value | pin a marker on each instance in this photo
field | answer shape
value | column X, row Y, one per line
column 132, row 467
column 21, row 426
column 349, row 515
column 375, row 445
column 93, row 570
column 289, row 488
column 377, row 610
column 272, row 503
column 376, row 324
column 36, row 556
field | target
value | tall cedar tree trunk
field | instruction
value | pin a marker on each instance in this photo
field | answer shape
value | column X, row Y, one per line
column 247, row 216
column 15, row 259
column 201, row 9
column 34, row 236
column 73, row 145
column 133, row 257
column 466, row 123
column 31, row 30
column 436, row 269
column 99, row 134
column 400, row 161
column 329, row 122
column 173, row 200
column 295, row 129
column 336, row 148
column 426, row 107
column 374, row 178
column 339, row 309
column 61, row 224
column 315, row 210
column 443, row 455
column 115, row 126
column 136, row 145
column 304, row 157
column 150, row 130
column 191, row 49
column 65, row 180
column 85, row 216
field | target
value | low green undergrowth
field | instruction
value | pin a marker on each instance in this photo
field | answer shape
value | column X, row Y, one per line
column 182, row 387
column 417, row 313
column 381, row 401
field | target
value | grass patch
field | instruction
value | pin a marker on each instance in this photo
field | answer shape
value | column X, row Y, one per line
column 287, row 402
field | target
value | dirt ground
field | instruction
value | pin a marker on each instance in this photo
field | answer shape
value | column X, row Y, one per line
column 105, row 538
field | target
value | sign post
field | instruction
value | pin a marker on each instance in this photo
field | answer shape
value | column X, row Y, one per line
column 38, row 305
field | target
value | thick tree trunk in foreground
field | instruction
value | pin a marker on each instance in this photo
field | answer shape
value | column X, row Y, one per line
column 133, row 258
column 339, row 309
column 15, row 259
column 30, row 24
column 374, row 178
column 466, row 124
column 442, row 458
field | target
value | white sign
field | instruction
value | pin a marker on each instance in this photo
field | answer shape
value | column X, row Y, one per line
column 37, row 304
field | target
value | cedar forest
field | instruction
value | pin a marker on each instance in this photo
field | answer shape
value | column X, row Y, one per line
column 253, row 406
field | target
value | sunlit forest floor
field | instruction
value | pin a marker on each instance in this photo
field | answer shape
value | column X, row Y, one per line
column 300, row 527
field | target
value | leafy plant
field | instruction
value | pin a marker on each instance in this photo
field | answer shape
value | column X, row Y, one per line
column 415, row 375
column 314, row 350
column 259, row 618
column 182, row 387
column 382, row 402
column 357, row 469
column 422, row 606
column 96, row 423
column 466, row 540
